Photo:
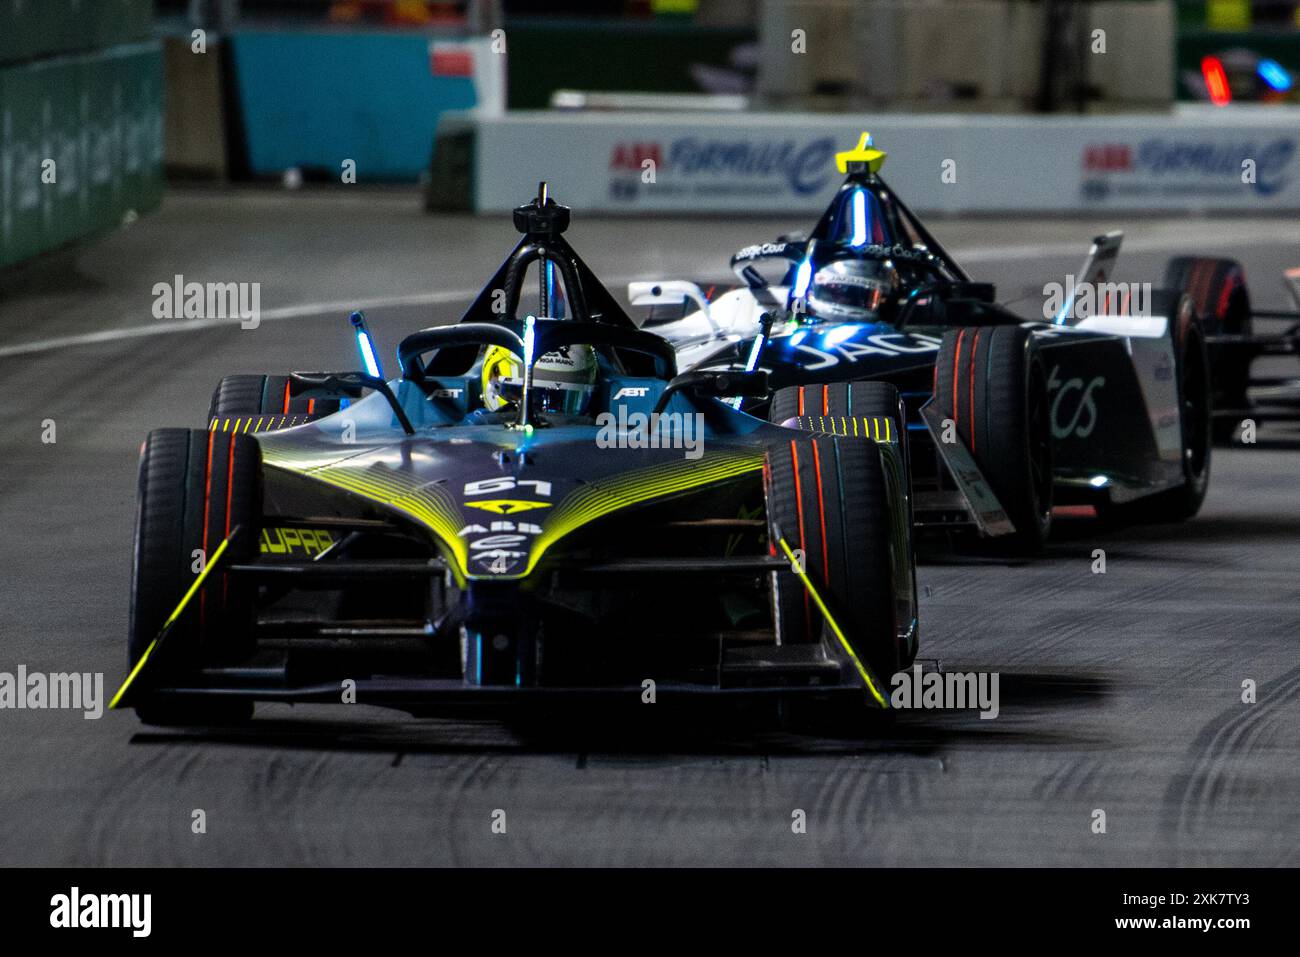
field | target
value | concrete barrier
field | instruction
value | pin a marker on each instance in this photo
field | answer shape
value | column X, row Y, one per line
column 196, row 121
column 1192, row 159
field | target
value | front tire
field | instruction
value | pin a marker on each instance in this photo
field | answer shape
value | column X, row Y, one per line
column 828, row 496
column 991, row 384
column 195, row 489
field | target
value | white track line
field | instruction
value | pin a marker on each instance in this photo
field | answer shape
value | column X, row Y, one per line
column 1249, row 236
column 301, row 311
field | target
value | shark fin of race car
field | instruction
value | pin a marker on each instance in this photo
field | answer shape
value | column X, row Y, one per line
column 1096, row 269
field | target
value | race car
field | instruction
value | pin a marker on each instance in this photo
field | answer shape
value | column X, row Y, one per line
column 1217, row 288
column 537, row 506
column 1006, row 415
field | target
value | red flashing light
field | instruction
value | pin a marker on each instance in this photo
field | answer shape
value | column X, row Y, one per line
column 1216, row 80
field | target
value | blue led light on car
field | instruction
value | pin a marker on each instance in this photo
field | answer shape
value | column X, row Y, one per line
column 366, row 345
column 859, row 219
column 1275, row 75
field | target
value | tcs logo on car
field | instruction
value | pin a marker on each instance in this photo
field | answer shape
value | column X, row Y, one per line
column 1074, row 410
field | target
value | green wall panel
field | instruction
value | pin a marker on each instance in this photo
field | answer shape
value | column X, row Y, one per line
column 98, row 116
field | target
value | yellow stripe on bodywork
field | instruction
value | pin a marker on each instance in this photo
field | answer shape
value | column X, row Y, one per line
column 603, row 496
column 171, row 620
column 429, row 504
column 434, row 507
column 863, row 671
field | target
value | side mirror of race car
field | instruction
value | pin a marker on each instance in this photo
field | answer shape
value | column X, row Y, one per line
column 349, row 385
column 668, row 293
column 980, row 291
column 716, row 385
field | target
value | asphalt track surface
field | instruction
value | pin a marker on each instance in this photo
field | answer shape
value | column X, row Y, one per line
column 1119, row 691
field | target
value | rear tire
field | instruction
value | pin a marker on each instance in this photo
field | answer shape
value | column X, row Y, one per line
column 270, row 398
column 829, row 498
column 195, row 488
column 991, row 383
column 1217, row 288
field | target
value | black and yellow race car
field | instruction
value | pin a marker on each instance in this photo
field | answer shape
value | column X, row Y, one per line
column 536, row 505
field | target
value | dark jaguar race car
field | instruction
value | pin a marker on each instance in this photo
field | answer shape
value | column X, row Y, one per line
column 1105, row 402
column 534, row 506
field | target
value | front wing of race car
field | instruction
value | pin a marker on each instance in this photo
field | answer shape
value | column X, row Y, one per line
column 429, row 661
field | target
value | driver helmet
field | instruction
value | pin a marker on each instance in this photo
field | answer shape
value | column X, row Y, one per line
column 563, row 380
column 851, row 290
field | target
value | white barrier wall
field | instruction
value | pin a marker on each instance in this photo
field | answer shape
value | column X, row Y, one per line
column 1197, row 158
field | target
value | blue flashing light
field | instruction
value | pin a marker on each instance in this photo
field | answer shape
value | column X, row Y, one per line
column 1275, row 75
column 750, row 365
column 839, row 334
column 859, row 218
column 368, row 353
column 366, row 345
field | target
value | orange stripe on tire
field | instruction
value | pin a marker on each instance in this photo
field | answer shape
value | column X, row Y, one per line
column 230, row 485
column 798, row 502
column 970, row 371
column 207, row 510
column 286, row 398
column 956, row 365
column 821, row 511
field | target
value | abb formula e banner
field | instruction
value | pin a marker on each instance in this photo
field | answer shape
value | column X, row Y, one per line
column 1197, row 158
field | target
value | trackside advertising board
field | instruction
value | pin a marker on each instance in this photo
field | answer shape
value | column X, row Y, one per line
column 1193, row 159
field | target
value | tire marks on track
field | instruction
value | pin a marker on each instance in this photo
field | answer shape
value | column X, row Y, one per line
column 1233, row 760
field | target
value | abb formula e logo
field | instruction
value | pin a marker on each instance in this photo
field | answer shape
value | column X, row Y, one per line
column 801, row 167
column 1189, row 164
